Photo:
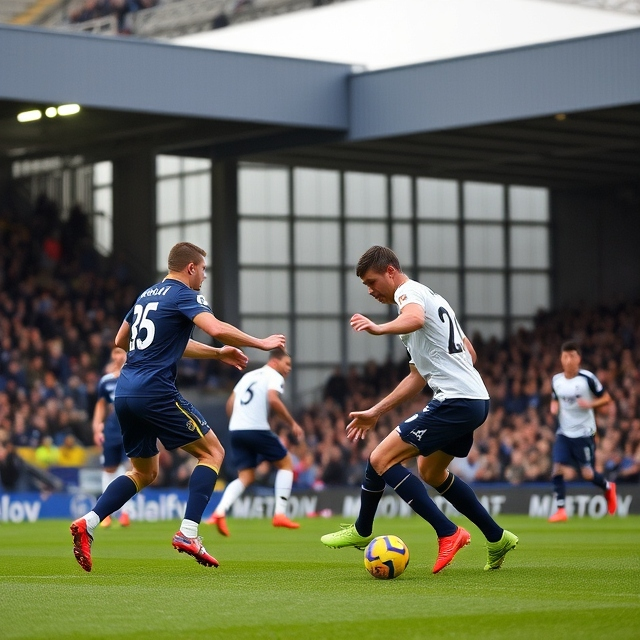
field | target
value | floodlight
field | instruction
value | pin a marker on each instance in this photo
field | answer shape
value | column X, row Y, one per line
column 29, row 116
column 51, row 112
column 68, row 109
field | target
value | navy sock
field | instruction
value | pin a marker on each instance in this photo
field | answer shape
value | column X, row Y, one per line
column 599, row 481
column 414, row 493
column 463, row 498
column 370, row 494
column 123, row 488
column 559, row 490
column 201, row 484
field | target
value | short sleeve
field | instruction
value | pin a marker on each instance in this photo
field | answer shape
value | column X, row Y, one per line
column 191, row 303
column 408, row 295
column 276, row 382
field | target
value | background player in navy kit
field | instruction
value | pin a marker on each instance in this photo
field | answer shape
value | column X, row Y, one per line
column 576, row 393
column 157, row 333
column 252, row 440
column 442, row 356
column 106, row 428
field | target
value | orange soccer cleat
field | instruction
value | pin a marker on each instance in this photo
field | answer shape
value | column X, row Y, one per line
column 221, row 524
column 611, row 496
column 106, row 523
column 124, row 519
column 559, row 516
column 280, row 520
column 449, row 546
column 82, row 541
column 194, row 548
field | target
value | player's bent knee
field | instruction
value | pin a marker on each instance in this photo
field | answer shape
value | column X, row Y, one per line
column 379, row 461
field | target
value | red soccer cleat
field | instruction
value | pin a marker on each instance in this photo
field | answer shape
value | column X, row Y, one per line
column 220, row 523
column 194, row 548
column 280, row 520
column 611, row 496
column 124, row 519
column 559, row 516
column 82, row 541
column 449, row 546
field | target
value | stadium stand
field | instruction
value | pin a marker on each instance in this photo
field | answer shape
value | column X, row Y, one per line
column 61, row 304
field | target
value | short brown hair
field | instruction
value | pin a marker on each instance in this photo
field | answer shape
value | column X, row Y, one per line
column 377, row 258
column 570, row 345
column 182, row 254
column 278, row 354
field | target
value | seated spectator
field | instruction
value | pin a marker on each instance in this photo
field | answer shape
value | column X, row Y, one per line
column 71, row 453
column 47, row 453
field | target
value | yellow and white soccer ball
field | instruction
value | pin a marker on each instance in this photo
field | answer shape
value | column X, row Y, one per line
column 386, row 557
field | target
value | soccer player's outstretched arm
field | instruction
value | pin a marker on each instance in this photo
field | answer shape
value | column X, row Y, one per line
column 410, row 319
column 231, row 335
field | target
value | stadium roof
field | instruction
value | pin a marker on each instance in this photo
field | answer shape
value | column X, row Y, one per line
column 559, row 113
column 380, row 34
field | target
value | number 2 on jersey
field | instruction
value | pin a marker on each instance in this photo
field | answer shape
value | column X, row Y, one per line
column 454, row 347
column 140, row 322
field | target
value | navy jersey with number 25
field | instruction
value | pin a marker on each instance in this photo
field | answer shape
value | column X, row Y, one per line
column 161, row 324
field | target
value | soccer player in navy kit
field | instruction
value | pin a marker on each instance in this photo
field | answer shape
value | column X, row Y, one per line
column 443, row 357
column 106, row 428
column 156, row 333
column 576, row 393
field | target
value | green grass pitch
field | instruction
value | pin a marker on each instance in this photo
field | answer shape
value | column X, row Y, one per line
column 575, row 580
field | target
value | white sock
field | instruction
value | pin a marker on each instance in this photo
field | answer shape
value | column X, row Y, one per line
column 93, row 520
column 189, row 528
column 107, row 478
column 233, row 491
column 282, row 490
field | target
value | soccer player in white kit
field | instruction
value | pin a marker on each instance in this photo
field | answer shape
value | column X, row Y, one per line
column 252, row 441
column 576, row 393
column 443, row 357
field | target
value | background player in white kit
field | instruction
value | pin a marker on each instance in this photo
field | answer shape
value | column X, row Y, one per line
column 442, row 356
column 252, row 441
column 576, row 393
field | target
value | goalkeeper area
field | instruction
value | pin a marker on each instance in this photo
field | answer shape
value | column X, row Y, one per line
column 581, row 578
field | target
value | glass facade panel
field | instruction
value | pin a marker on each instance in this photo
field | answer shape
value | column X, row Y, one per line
column 529, row 204
column 365, row 195
column 445, row 283
column 168, row 205
column 317, row 292
column 167, row 165
column 402, row 244
column 483, row 201
column 318, row 341
column 316, row 192
column 484, row 245
column 263, row 190
column 362, row 347
column 529, row 293
column 317, row 243
column 438, row 245
column 484, row 294
column 401, row 197
column 264, row 242
column 197, row 196
column 192, row 165
column 165, row 239
column 360, row 236
column 529, row 247
column 200, row 235
column 437, row 198
column 264, row 291
column 102, row 174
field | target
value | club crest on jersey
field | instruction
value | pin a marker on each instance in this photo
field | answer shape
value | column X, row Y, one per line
column 402, row 298
column 202, row 300
column 191, row 425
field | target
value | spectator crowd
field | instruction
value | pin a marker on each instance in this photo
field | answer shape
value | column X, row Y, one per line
column 61, row 304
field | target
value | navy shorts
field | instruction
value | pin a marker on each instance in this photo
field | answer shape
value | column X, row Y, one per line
column 574, row 452
column 445, row 426
column 172, row 420
column 113, row 453
column 249, row 447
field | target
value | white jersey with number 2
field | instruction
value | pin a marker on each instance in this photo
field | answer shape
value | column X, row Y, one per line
column 437, row 349
column 251, row 402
